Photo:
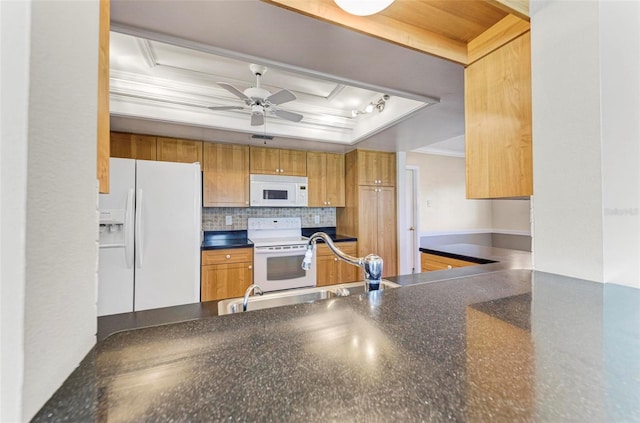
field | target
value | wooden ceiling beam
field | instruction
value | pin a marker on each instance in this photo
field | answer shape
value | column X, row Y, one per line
column 382, row 27
column 507, row 29
column 519, row 8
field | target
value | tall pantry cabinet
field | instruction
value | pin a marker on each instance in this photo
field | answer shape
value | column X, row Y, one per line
column 370, row 208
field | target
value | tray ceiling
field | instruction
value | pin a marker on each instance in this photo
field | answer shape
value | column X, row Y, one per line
column 166, row 82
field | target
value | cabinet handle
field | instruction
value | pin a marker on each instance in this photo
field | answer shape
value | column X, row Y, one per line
column 329, row 202
column 335, row 259
column 449, row 267
column 277, row 170
column 250, row 267
column 228, row 256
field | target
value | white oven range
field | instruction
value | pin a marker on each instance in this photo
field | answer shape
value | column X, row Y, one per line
column 278, row 251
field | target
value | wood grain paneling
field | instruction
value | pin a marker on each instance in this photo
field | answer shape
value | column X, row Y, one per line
column 509, row 28
column 325, row 174
column 178, row 150
column 133, row 146
column 225, row 169
column 435, row 262
column 225, row 281
column 227, row 255
column 103, row 138
column 265, row 161
column 498, row 123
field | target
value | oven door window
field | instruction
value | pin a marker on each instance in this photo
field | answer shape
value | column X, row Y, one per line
column 285, row 268
column 275, row 194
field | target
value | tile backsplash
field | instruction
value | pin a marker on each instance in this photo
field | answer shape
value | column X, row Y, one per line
column 214, row 218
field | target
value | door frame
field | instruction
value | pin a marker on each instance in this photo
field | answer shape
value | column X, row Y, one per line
column 404, row 263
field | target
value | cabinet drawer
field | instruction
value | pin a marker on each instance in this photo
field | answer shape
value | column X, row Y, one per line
column 435, row 262
column 231, row 255
column 346, row 247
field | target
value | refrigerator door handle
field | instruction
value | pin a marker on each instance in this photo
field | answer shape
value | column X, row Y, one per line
column 138, row 237
column 128, row 229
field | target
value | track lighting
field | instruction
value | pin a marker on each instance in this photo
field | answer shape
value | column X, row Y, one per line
column 378, row 105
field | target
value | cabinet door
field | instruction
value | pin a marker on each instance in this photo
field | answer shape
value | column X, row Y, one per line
column 368, row 220
column 334, row 180
column 176, row 150
column 265, row 161
column 293, row 162
column 498, row 122
column 387, row 233
column 348, row 272
column 222, row 281
column 133, row 146
column 376, row 168
column 327, row 271
column 316, row 175
column 225, row 170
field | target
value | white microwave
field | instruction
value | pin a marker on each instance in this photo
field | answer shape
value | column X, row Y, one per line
column 278, row 191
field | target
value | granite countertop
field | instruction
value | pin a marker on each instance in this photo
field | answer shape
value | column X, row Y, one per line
column 507, row 345
column 216, row 240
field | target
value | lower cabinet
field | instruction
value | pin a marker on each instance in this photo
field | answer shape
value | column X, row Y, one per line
column 226, row 273
column 331, row 270
column 434, row 262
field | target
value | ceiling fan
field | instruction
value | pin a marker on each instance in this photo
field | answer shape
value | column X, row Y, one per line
column 260, row 100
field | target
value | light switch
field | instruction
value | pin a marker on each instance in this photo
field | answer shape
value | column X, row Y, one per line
column 228, row 220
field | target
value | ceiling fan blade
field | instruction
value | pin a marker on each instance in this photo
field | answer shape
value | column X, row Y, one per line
column 280, row 97
column 233, row 90
column 225, row 108
column 257, row 119
column 293, row 117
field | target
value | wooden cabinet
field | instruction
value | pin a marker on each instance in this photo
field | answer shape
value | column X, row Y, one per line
column 225, row 169
column 103, row 138
column 325, row 172
column 226, row 273
column 431, row 262
column 377, row 216
column 498, row 122
column 276, row 161
column 376, row 168
column 331, row 270
column 370, row 209
column 178, row 150
column 133, row 146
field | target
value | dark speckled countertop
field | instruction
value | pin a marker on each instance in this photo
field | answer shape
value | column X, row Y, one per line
column 509, row 345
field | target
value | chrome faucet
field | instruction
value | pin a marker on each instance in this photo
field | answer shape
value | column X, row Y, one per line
column 247, row 293
column 371, row 264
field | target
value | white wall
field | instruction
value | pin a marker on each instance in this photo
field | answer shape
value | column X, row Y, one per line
column 585, row 139
column 14, row 85
column 443, row 204
column 442, row 185
column 511, row 216
column 59, row 238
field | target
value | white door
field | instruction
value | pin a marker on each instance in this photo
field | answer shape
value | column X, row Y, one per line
column 168, row 237
column 115, row 260
column 412, row 260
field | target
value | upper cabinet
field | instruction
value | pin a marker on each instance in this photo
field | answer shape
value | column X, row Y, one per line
column 225, row 170
column 276, row 161
column 498, row 122
column 325, row 172
column 133, row 146
column 177, row 150
column 376, row 168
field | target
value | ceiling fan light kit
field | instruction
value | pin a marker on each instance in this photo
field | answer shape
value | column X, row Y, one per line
column 260, row 100
column 363, row 7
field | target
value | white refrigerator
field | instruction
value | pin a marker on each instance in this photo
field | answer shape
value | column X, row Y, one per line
column 150, row 236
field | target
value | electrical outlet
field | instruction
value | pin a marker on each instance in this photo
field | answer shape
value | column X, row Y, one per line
column 228, row 220
column 428, row 203
column 316, row 219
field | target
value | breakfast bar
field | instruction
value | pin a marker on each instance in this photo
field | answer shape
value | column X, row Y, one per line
column 507, row 345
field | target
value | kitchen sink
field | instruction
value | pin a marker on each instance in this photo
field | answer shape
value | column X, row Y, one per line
column 296, row 296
